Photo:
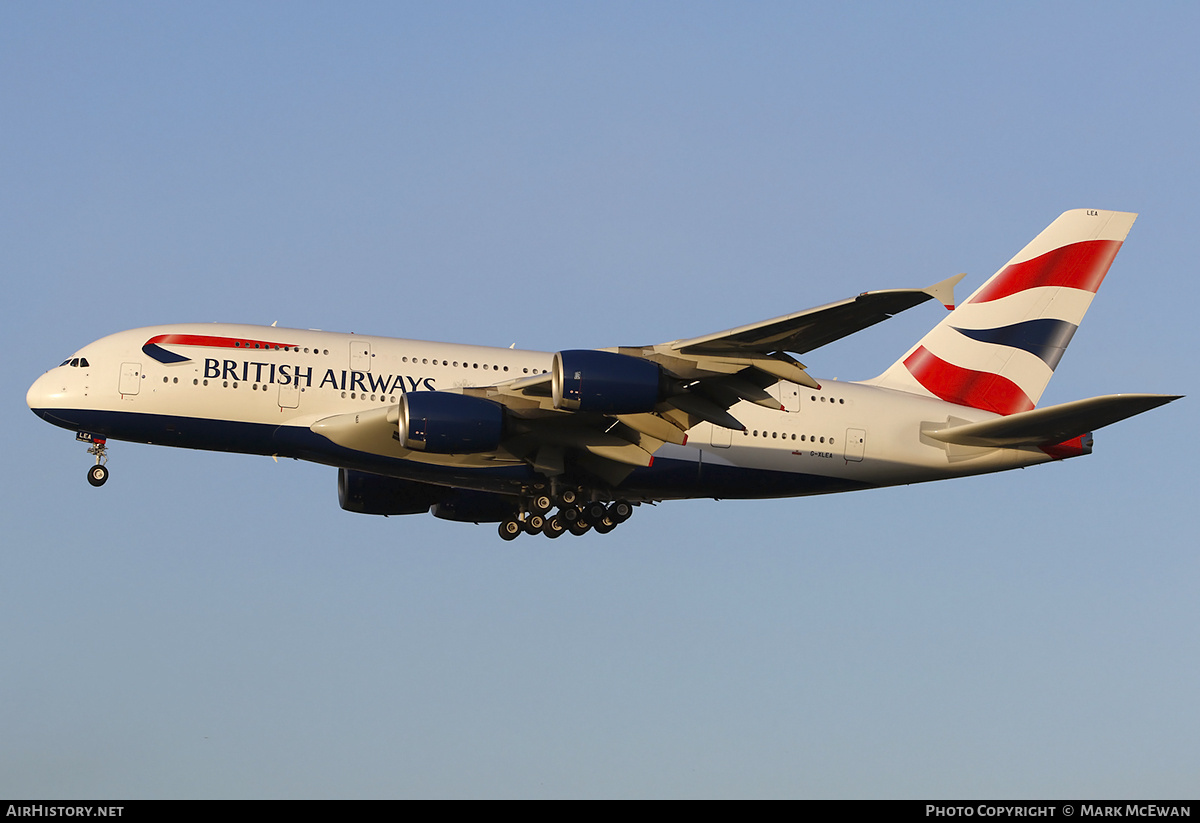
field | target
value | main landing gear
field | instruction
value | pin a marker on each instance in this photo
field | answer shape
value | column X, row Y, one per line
column 98, row 474
column 572, row 516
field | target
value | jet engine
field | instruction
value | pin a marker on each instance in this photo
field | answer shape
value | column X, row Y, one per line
column 445, row 423
column 366, row 493
column 605, row 382
column 466, row 506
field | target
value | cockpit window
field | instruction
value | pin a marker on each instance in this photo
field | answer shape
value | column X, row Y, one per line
column 83, row 363
column 75, row 361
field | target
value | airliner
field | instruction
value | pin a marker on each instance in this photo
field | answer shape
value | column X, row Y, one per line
column 545, row 443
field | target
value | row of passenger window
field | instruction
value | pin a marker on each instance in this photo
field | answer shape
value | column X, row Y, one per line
column 239, row 344
column 424, row 361
column 382, row 398
column 804, row 438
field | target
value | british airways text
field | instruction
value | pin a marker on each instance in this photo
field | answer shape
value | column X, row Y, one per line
column 286, row 374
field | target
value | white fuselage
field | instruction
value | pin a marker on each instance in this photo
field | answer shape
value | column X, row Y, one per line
column 260, row 389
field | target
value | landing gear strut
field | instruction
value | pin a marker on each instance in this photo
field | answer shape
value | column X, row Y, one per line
column 98, row 474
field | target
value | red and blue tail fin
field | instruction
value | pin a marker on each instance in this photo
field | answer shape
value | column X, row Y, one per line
column 997, row 350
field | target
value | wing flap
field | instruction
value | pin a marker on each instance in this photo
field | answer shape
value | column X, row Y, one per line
column 658, row 427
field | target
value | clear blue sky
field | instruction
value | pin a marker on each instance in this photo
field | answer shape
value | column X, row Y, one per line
column 589, row 174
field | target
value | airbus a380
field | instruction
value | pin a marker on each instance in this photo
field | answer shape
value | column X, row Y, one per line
column 573, row 440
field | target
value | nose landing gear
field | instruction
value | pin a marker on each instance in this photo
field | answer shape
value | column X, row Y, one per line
column 98, row 474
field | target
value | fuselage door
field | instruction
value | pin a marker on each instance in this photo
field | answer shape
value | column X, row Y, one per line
column 856, row 444
column 131, row 378
column 289, row 395
column 360, row 355
column 722, row 437
column 788, row 394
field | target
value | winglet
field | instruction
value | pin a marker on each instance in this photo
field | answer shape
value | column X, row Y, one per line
column 943, row 292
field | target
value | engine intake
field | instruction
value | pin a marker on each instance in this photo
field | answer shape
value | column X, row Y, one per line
column 605, row 382
column 445, row 423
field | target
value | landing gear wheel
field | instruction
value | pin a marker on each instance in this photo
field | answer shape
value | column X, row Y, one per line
column 509, row 529
column 620, row 511
column 593, row 513
column 98, row 475
column 534, row 523
column 605, row 526
column 568, row 497
column 553, row 527
column 541, row 504
column 579, row 527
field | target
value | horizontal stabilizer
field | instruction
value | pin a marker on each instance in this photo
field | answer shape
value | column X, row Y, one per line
column 1053, row 424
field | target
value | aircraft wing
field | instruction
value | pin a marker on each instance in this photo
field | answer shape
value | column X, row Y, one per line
column 698, row 379
column 807, row 330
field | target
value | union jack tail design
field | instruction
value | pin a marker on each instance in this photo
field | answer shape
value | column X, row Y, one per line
column 997, row 350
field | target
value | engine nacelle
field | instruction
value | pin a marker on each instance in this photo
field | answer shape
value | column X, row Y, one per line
column 444, row 423
column 604, row 382
column 466, row 506
column 366, row 493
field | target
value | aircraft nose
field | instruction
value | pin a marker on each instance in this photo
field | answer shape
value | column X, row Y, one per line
column 47, row 392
